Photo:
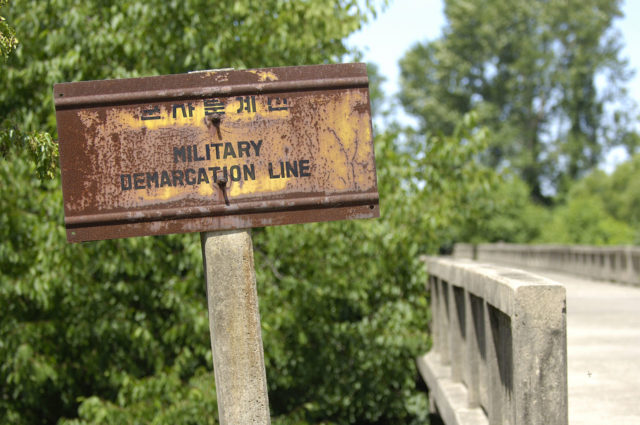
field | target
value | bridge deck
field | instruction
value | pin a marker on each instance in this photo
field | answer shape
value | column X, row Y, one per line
column 603, row 338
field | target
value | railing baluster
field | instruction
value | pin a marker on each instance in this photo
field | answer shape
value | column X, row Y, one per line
column 445, row 354
column 475, row 333
column 456, row 332
column 434, row 330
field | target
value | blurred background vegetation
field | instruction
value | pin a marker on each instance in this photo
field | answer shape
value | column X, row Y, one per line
column 511, row 131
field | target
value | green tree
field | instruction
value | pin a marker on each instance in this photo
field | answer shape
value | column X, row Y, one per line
column 529, row 68
column 120, row 326
column 44, row 151
column 584, row 221
column 618, row 194
column 116, row 331
column 110, row 319
column 84, row 320
column 505, row 213
column 623, row 198
column 8, row 40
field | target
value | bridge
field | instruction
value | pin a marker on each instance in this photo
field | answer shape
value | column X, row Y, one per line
column 534, row 335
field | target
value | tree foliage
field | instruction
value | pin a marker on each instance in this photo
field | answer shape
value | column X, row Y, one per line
column 505, row 214
column 117, row 332
column 619, row 191
column 66, row 40
column 120, row 326
column 8, row 40
column 529, row 68
column 599, row 209
column 584, row 221
column 604, row 209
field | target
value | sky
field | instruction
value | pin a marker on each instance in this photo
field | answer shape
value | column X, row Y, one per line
column 405, row 22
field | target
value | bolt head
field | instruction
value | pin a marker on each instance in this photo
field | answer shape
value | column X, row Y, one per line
column 215, row 119
column 221, row 178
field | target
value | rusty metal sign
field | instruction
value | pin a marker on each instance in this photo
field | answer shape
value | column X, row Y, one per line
column 215, row 150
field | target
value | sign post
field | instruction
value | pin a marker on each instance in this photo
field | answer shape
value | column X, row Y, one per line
column 234, row 322
column 219, row 152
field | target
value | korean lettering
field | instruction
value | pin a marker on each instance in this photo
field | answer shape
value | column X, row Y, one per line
column 150, row 114
column 181, row 106
column 277, row 104
column 247, row 103
column 213, row 106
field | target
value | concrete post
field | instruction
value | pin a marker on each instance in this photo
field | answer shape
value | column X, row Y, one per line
column 628, row 272
column 234, row 321
column 435, row 314
column 473, row 307
column 443, row 310
column 456, row 338
column 539, row 331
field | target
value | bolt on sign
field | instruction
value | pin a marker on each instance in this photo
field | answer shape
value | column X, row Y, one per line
column 215, row 150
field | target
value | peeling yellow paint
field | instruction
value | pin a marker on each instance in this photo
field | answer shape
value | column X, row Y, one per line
column 205, row 190
column 264, row 75
column 335, row 139
column 88, row 118
column 132, row 118
column 262, row 184
column 338, row 141
column 162, row 194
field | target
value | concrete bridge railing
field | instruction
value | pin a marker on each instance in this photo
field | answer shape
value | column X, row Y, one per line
column 612, row 263
column 499, row 351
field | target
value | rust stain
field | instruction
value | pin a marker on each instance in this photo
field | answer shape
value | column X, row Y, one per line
column 153, row 166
